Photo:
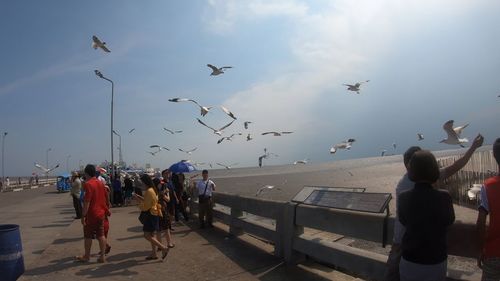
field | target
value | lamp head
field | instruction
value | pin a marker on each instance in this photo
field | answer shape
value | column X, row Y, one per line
column 98, row 73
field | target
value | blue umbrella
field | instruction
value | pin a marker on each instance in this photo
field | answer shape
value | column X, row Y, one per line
column 182, row 167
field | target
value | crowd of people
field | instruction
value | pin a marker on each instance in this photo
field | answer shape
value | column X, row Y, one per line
column 161, row 200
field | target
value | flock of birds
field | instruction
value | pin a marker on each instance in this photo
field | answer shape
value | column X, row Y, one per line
column 453, row 133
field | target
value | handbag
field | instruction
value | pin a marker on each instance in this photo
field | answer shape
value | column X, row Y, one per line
column 143, row 216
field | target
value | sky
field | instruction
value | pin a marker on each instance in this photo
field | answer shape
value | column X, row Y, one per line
column 427, row 62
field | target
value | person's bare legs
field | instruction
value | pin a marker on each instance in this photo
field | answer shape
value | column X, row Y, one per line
column 87, row 245
column 168, row 237
column 102, row 246
column 154, row 243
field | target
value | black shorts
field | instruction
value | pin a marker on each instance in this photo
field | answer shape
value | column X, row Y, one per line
column 151, row 224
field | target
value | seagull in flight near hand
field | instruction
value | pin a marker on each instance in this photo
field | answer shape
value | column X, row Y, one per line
column 343, row 145
column 228, row 112
column 96, row 43
column 454, row 134
column 245, row 124
column 45, row 170
column 172, row 132
column 355, row 87
column 203, row 109
column 230, row 138
column 420, row 136
column 130, row 132
column 216, row 131
column 276, row 134
column 217, row 71
column 188, row 151
column 228, row 167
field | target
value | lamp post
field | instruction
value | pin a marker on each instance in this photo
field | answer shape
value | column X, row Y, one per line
column 120, row 156
column 3, row 154
column 99, row 74
column 47, row 165
column 67, row 163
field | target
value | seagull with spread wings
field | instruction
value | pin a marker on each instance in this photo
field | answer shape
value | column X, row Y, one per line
column 304, row 161
column 171, row 131
column 343, row 145
column 46, row 170
column 420, row 136
column 131, row 130
column 96, row 43
column 264, row 188
column 228, row 112
column 188, row 151
column 216, row 131
column 276, row 134
column 230, row 138
column 217, row 71
column 203, row 109
column 355, row 87
column 228, row 167
column 249, row 137
column 454, row 134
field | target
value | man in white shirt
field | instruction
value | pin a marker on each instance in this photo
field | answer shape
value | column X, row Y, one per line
column 205, row 189
column 405, row 184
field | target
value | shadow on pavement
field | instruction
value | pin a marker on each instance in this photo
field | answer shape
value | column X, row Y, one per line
column 135, row 229
column 67, row 240
column 53, row 266
column 51, row 225
column 141, row 236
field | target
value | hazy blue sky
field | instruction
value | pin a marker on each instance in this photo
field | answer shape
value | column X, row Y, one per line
column 428, row 62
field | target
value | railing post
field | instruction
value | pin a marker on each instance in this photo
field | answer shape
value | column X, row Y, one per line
column 287, row 232
column 234, row 230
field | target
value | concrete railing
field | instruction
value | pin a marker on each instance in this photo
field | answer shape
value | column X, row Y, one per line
column 15, row 186
column 291, row 243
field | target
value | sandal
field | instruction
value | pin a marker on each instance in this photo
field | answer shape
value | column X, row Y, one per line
column 101, row 260
column 108, row 249
column 148, row 258
column 81, row 259
column 171, row 245
column 164, row 253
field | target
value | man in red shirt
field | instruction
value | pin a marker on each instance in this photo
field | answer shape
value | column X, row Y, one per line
column 489, row 237
column 94, row 212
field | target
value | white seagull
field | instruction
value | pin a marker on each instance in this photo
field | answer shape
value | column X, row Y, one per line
column 230, row 138
column 216, row 131
column 217, row 71
column 228, row 112
column 420, row 136
column 276, row 134
column 473, row 191
column 130, row 132
column 454, row 134
column 96, row 43
column 383, row 152
column 355, row 87
column 188, row 151
column 265, row 187
column 245, row 124
column 249, row 137
column 45, row 170
column 172, row 132
column 343, row 145
column 304, row 161
column 228, row 167
column 203, row 109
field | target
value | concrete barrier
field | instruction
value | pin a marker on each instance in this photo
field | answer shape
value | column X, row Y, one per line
column 293, row 244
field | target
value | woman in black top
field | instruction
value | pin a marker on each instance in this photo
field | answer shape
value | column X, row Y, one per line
column 426, row 213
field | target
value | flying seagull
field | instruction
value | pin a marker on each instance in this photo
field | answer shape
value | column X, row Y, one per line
column 343, row 145
column 153, row 152
column 99, row 44
column 230, row 138
column 454, row 134
column 217, row 71
column 394, row 145
column 383, row 152
column 203, row 109
column 355, row 87
column 216, row 131
column 245, row 124
column 304, row 161
column 265, row 187
column 420, row 136
column 172, row 132
column 276, row 134
column 45, row 170
column 473, row 191
column 130, row 132
column 228, row 167
column 188, row 151
column 249, row 137
column 228, row 112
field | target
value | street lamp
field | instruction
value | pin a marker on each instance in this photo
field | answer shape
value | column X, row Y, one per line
column 67, row 163
column 99, row 74
column 120, row 161
column 3, row 152
column 47, row 165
